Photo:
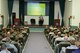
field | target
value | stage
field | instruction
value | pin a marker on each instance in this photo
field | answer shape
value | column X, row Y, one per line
column 37, row 26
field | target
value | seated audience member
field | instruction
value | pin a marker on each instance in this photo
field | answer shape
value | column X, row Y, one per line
column 78, row 38
column 9, row 45
column 78, row 45
column 45, row 30
column 58, row 38
column 7, row 37
column 4, row 49
column 51, row 27
column 75, row 35
column 51, row 33
column 71, row 36
column 66, row 37
column 62, row 38
column 65, row 30
column 72, row 46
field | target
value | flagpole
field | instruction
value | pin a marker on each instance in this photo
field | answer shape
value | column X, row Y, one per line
column 70, row 21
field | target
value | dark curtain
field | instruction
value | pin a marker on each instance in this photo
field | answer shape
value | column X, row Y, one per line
column 47, row 9
column 21, row 11
column 10, row 7
column 25, row 8
column 51, row 13
column 62, row 8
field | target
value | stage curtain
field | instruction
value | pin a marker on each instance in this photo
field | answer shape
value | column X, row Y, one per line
column 51, row 13
column 10, row 7
column 21, row 11
column 62, row 8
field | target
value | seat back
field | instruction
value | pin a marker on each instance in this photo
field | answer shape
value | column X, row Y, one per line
column 18, row 47
column 11, row 50
column 32, row 21
column 63, row 44
column 69, row 50
column 57, row 42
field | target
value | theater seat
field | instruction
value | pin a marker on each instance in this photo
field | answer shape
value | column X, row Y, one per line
column 69, row 50
column 32, row 21
column 63, row 44
column 11, row 50
column 60, row 45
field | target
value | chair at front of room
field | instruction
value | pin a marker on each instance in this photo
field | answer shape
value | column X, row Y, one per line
column 32, row 21
column 41, row 22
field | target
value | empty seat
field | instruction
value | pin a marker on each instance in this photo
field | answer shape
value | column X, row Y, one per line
column 32, row 21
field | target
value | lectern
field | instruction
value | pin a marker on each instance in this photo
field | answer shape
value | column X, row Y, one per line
column 17, row 22
column 57, row 22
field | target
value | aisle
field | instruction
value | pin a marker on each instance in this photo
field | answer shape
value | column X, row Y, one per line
column 37, row 43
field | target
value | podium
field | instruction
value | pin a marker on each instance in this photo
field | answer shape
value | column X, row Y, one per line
column 17, row 22
column 57, row 22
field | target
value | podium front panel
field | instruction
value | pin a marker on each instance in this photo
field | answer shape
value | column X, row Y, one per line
column 57, row 22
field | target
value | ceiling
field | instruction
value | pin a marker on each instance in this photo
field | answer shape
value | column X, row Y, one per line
column 41, row 0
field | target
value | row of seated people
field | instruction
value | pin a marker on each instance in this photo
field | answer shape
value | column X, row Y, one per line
column 62, row 37
column 13, row 39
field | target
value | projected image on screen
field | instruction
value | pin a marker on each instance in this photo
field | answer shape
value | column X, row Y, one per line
column 36, row 9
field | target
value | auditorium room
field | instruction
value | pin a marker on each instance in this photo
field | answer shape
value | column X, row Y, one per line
column 39, row 26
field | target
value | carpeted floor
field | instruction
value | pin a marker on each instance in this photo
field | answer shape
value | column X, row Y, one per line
column 37, row 43
column 37, row 29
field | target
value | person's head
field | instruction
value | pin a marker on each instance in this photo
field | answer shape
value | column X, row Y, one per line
column 70, row 33
column 3, row 46
column 77, row 43
column 79, row 34
column 72, row 42
column 59, row 33
column 46, row 26
column 8, row 33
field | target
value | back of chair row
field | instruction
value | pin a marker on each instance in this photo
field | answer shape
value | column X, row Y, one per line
column 70, row 50
column 60, row 45
column 10, row 49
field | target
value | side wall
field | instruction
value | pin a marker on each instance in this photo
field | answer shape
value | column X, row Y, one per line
column 68, row 12
column 72, row 8
column 0, row 13
column 16, row 8
column 4, row 11
column 75, row 12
